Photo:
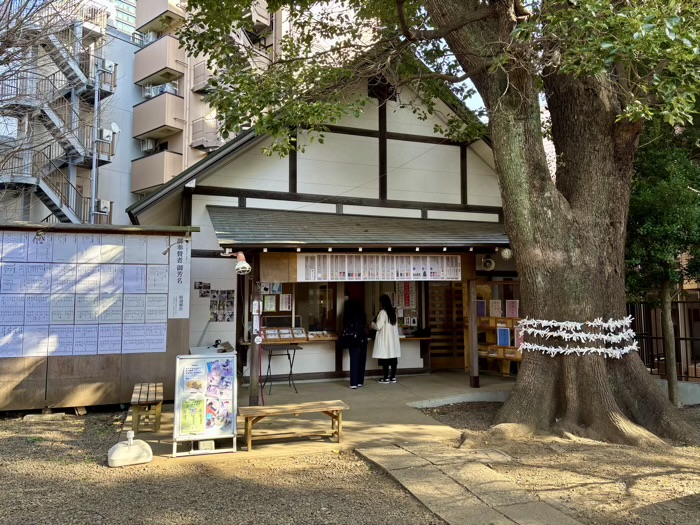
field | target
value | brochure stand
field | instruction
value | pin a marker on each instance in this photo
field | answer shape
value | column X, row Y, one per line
column 206, row 402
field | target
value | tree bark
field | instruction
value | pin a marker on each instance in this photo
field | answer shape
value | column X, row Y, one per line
column 568, row 237
column 669, row 343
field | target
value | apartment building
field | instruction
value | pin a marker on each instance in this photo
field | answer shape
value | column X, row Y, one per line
column 125, row 16
column 64, row 124
column 175, row 126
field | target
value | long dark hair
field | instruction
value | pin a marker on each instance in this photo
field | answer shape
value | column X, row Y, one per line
column 386, row 305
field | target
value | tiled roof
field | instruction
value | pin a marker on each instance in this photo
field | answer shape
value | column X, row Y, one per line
column 257, row 227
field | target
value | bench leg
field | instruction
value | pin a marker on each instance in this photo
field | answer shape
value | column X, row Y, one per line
column 249, row 434
column 135, row 418
column 157, row 422
column 340, row 425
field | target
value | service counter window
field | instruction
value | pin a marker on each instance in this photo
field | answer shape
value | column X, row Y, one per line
column 316, row 304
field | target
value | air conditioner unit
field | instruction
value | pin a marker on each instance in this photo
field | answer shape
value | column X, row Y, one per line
column 109, row 66
column 106, row 135
column 102, row 206
column 148, row 145
column 149, row 37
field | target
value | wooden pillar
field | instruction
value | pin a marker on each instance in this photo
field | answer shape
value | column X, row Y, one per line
column 254, row 357
column 471, row 353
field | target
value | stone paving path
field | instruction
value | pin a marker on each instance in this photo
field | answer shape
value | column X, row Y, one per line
column 460, row 487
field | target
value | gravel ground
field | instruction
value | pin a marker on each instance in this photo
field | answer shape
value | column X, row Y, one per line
column 594, row 482
column 55, row 472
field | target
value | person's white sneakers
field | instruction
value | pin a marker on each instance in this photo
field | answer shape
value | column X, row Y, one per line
column 384, row 381
column 353, row 387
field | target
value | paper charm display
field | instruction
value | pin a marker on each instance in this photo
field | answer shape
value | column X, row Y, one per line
column 612, row 338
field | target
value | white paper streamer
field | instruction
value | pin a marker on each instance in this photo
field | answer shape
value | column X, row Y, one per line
column 613, row 332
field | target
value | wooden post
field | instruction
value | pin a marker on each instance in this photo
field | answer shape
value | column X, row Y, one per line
column 473, row 337
column 254, row 357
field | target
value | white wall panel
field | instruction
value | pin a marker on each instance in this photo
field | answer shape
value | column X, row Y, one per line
column 344, row 165
column 423, row 172
column 221, row 274
column 271, row 204
column 253, row 171
column 381, row 212
column 482, row 182
column 462, row 216
column 206, row 239
column 402, row 120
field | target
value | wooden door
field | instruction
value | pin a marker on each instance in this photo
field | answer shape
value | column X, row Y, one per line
column 446, row 320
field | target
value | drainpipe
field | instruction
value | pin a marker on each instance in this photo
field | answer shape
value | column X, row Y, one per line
column 95, row 138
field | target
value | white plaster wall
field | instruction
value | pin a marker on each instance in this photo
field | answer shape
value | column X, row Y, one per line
column 270, row 204
column 253, row 171
column 206, row 239
column 403, row 120
column 344, row 165
column 368, row 119
column 462, row 216
column 482, row 181
column 115, row 177
column 222, row 276
column 423, row 172
column 375, row 211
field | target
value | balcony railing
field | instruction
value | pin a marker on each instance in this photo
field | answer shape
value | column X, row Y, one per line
column 205, row 134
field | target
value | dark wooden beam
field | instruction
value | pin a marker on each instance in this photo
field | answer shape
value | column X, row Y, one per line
column 293, row 169
column 463, row 173
column 347, row 201
column 391, row 135
column 187, row 206
column 383, row 171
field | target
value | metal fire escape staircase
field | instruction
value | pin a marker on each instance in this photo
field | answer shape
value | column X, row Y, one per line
column 47, row 176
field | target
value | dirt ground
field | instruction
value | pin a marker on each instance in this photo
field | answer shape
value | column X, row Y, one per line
column 595, row 483
column 55, row 472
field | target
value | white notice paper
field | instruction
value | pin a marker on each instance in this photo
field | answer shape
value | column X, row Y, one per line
column 12, row 309
column 156, row 308
column 63, row 278
column 110, row 308
column 62, row 309
column 112, row 250
column 109, row 339
column 155, row 247
column 179, row 279
column 134, row 308
column 37, row 309
column 14, row 247
column 38, row 278
column 14, row 277
column 134, row 278
column 11, row 341
column 157, row 279
column 65, row 247
column 35, row 341
column 134, row 338
column 41, row 250
column 111, row 278
column 85, row 340
column 87, row 278
column 89, row 248
column 87, row 308
column 135, row 247
column 61, row 340
column 156, row 338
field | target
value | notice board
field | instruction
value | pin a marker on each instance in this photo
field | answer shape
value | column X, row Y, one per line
column 205, row 398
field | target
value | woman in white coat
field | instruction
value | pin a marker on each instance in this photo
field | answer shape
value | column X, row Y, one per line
column 386, row 342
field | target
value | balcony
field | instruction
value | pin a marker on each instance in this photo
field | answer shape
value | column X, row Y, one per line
column 158, row 15
column 159, row 117
column 160, row 62
column 154, row 170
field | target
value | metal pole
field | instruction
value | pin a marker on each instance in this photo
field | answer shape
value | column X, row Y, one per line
column 95, row 138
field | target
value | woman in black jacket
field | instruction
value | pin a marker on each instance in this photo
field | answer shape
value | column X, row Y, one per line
column 354, row 336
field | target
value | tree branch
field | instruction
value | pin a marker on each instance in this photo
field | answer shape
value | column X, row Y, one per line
column 442, row 76
column 436, row 34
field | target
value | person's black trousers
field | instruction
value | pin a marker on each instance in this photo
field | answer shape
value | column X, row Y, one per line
column 358, row 360
column 386, row 363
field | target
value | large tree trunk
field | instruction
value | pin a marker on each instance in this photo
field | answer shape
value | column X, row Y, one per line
column 669, row 343
column 568, row 238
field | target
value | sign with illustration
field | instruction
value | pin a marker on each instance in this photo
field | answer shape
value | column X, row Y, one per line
column 205, row 397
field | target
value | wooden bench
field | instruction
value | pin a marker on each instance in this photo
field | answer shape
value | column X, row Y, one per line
column 333, row 409
column 147, row 400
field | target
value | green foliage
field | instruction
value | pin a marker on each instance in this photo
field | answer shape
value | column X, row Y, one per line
column 664, row 220
column 649, row 51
